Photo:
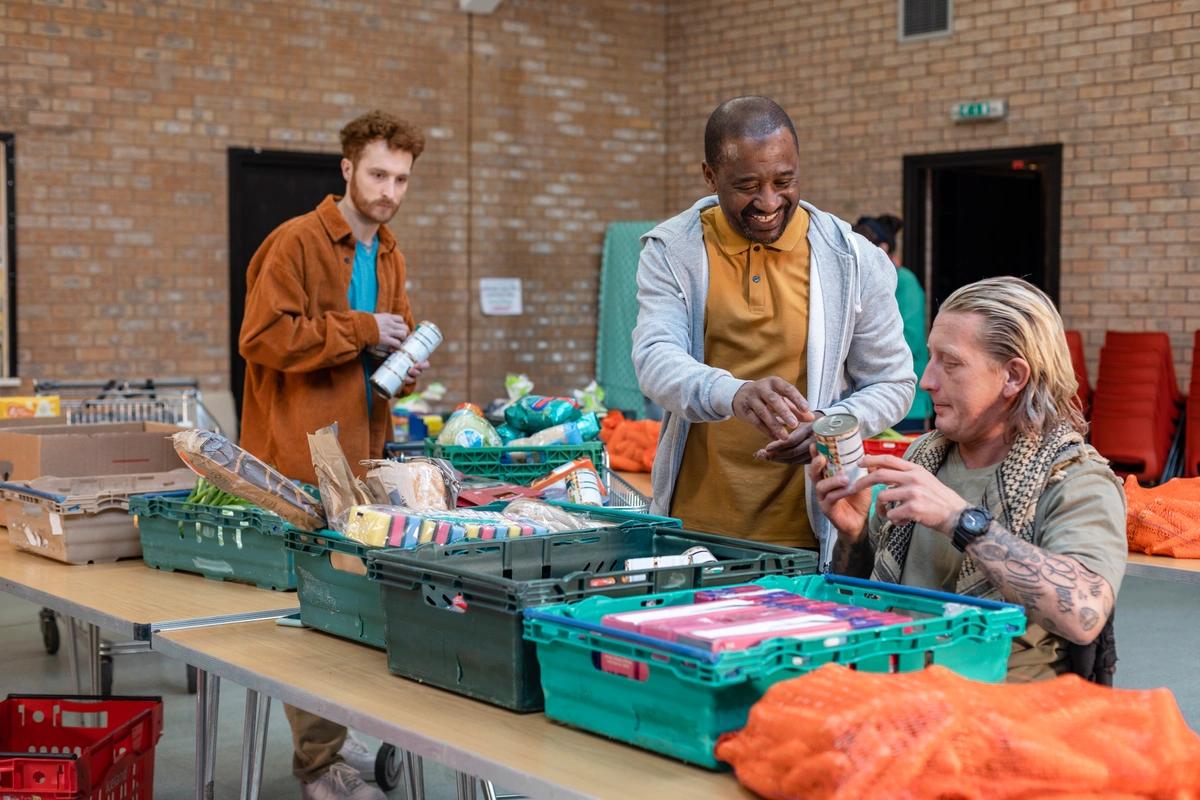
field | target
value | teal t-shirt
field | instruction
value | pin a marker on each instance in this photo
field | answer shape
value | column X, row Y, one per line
column 364, row 288
column 911, row 299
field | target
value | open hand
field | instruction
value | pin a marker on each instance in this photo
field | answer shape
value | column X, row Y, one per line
column 772, row 405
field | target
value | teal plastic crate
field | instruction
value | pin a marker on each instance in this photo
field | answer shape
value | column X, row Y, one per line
column 682, row 698
column 454, row 611
column 336, row 596
column 515, row 464
column 229, row 543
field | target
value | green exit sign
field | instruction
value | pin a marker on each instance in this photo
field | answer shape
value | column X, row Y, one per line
column 978, row 110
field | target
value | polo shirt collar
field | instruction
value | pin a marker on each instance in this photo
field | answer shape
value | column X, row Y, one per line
column 734, row 243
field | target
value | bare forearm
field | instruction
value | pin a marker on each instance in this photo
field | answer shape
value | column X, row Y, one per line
column 1059, row 593
column 853, row 558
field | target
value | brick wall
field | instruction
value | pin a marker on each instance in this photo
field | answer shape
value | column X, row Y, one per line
column 545, row 121
column 1117, row 82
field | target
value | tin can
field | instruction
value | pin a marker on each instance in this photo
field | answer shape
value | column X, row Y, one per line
column 393, row 372
column 583, row 487
column 699, row 555
column 839, row 440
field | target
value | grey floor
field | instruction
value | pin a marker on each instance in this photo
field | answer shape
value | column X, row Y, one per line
column 1157, row 638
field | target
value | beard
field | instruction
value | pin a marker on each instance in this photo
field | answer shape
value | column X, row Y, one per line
column 748, row 228
column 379, row 210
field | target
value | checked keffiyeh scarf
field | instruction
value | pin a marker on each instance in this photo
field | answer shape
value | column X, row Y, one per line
column 1033, row 463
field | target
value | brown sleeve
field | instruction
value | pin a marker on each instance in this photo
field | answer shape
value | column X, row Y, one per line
column 401, row 306
column 276, row 329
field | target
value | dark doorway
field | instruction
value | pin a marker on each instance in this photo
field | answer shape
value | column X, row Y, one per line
column 983, row 213
column 266, row 188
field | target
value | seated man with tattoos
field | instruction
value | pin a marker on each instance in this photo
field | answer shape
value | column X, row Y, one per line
column 1004, row 499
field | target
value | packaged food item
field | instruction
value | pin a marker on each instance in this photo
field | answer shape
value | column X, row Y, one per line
column 467, row 428
column 584, row 487
column 210, row 455
column 393, row 372
column 556, row 479
column 533, row 413
column 423, row 484
column 339, row 488
column 839, row 441
column 585, row 429
column 507, row 432
column 555, row 518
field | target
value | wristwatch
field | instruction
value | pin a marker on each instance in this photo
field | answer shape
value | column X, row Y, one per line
column 972, row 523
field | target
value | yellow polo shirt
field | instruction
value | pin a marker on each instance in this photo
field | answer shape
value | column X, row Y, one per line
column 755, row 326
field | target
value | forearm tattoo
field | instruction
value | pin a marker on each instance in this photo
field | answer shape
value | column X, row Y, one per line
column 1059, row 593
column 855, row 560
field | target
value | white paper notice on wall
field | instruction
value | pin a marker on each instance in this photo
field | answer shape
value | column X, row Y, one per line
column 500, row 297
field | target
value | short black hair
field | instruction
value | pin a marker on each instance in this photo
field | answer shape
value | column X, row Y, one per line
column 751, row 117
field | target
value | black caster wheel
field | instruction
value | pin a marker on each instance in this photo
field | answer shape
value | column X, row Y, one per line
column 49, row 627
column 191, row 679
column 106, row 675
column 389, row 766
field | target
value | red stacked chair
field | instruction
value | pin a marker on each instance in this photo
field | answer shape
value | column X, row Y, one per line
column 1075, row 345
column 1136, row 404
column 1191, row 450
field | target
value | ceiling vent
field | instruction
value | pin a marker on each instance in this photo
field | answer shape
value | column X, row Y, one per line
column 924, row 19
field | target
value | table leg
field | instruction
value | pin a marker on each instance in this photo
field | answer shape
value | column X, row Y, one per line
column 466, row 786
column 208, row 695
column 73, row 653
column 414, row 774
column 93, row 633
column 254, row 743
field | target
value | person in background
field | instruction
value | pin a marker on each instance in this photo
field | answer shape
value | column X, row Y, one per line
column 325, row 301
column 910, row 297
column 758, row 312
column 1004, row 500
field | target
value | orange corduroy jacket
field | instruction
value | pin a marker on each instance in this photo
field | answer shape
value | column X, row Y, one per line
column 302, row 342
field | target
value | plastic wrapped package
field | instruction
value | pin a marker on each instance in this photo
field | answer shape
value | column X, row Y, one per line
column 533, row 413
column 467, row 428
column 422, row 484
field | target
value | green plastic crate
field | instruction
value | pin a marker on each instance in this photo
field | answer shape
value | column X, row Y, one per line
column 502, row 463
column 687, row 697
column 336, row 596
column 229, row 543
column 454, row 611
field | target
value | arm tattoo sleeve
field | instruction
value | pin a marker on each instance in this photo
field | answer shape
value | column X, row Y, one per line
column 1059, row 593
column 854, row 560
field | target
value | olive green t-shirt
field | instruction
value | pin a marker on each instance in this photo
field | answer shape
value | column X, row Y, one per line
column 1082, row 516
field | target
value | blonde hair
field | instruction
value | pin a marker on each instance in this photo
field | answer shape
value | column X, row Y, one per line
column 1020, row 321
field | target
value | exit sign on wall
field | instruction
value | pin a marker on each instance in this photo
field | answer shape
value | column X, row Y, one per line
column 978, row 110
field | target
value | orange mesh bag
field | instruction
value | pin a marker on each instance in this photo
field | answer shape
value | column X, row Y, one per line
column 631, row 443
column 1164, row 520
column 839, row 733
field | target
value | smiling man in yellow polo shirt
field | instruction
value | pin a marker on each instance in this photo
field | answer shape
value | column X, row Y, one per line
column 757, row 312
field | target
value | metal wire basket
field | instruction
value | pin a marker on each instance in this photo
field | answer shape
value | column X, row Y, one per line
column 173, row 401
column 621, row 494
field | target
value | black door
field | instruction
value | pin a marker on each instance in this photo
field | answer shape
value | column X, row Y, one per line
column 267, row 188
column 981, row 214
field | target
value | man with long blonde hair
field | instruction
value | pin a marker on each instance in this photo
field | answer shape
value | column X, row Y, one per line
column 1004, row 499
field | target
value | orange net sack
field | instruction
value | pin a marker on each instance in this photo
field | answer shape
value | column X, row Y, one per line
column 838, row 733
column 631, row 443
column 1164, row 520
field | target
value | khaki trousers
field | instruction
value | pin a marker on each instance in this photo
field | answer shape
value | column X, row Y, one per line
column 316, row 741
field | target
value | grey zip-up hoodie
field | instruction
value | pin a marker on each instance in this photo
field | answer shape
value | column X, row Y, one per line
column 858, row 362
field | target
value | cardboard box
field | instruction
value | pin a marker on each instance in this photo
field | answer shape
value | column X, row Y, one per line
column 7, row 423
column 85, row 519
column 29, row 406
column 65, row 451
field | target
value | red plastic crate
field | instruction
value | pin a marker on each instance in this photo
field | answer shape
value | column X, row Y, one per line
column 78, row 748
column 887, row 447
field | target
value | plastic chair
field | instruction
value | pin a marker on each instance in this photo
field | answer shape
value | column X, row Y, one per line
column 1146, row 342
column 1079, row 363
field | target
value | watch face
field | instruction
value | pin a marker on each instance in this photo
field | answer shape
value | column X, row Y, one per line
column 975, row 520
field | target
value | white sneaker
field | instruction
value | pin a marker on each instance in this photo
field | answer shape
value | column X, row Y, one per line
column 359, row 755
column 341, row 782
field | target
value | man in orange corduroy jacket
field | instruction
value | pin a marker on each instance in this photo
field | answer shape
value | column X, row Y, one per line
column 325, row 301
